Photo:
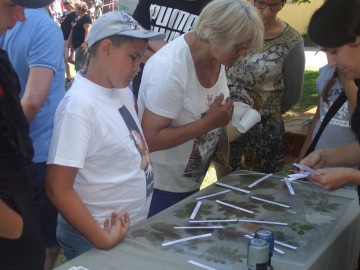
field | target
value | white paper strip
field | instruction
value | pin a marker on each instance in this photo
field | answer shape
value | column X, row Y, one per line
column 276, row 249
column 267, row 201
column 186, row 239
column 285, row 245
column 263, row 222
column 235, row 207
column 306, row 168
column 249, row 173
column 291, row 190
column 213, row 220
column 231, row 187
column 260, row 180
column 212, row 195
column 201, row 265
column 199, row 227
column 196, row 209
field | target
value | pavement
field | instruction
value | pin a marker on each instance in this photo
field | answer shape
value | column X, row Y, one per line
column 314, row 60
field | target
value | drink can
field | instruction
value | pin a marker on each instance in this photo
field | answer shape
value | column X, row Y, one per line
column 268, row 236
column 258, row 254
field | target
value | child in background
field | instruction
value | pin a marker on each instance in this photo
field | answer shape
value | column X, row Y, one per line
column 98, row 163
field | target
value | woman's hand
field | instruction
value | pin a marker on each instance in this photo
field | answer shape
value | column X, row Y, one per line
column 220, row 112
column 313, row 160
column 332, row 178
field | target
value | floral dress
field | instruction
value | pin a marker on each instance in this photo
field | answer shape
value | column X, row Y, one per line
column 271, row 82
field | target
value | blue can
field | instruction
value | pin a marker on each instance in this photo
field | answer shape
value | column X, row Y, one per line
column 258, row 254
column 269, row 237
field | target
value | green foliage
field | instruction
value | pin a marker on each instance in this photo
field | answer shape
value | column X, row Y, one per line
column 300, row 1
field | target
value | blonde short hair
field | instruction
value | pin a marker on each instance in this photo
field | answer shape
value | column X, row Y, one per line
column 228, row 23
column 83, row 5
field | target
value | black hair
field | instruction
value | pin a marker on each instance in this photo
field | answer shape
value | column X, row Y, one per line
column 335, row 23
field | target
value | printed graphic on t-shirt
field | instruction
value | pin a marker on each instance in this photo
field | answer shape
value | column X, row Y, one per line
column 200, row 158
column 202, row 150
column 341, row 117
column 172, row 22
column 141, row 146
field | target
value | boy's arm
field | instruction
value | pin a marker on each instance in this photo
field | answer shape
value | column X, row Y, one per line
column 59, row 189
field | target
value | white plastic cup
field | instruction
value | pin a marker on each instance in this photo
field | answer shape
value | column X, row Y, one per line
column 250, row 118
column 240, row 109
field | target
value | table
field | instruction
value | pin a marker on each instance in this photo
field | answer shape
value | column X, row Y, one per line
column 324, row 226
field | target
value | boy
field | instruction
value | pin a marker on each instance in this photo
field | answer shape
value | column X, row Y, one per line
column 98, row 163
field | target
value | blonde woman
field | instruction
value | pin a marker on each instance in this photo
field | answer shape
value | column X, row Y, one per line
column 67, row 23
column 184, row 99
column 79, row 33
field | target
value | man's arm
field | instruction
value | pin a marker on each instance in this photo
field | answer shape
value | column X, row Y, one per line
column 11, row 223
column 36, row 91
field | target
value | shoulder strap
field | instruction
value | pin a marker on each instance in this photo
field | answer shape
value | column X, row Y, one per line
column 329, row 115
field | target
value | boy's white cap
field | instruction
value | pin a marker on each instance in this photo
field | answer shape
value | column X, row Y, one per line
column 118, row 23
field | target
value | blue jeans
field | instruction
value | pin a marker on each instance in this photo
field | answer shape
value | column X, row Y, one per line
column 72, row 242
column 164, row 199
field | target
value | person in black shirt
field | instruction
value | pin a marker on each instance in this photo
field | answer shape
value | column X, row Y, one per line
column 21, row 244
column 171, row 17
column 79, row 33
column 67, row 23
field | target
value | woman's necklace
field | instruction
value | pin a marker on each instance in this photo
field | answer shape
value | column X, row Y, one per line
column 271, row 25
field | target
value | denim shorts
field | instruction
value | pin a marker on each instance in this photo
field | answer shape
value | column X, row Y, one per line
column 72, row 242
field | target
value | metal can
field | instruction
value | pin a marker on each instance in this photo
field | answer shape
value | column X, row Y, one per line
column 258, row 254
column 268, row 236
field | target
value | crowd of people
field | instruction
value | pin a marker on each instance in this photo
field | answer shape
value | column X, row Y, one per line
column 149, row 110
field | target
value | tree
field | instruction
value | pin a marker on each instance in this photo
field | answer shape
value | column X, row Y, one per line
column 300, row 1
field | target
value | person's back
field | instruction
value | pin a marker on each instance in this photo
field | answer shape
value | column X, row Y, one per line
column 36, row 50
column 37, row 43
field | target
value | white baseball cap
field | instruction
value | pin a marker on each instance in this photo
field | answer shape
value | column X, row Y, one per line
column 119, row 23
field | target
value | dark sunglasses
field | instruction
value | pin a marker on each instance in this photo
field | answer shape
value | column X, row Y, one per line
column 65, row 3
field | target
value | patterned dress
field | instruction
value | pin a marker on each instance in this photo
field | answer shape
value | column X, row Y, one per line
column 271, row 82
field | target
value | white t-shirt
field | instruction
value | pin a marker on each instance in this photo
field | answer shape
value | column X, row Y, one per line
column 170, row 88
column 97, row 130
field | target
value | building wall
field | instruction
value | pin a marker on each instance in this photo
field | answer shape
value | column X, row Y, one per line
column 298, row 16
